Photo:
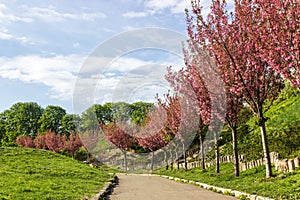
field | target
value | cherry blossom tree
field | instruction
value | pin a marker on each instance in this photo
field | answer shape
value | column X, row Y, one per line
column 277, row 22
column 153, row 136
column 120, row 138
column 89, row 141
column 238, row 57
column 189, row 81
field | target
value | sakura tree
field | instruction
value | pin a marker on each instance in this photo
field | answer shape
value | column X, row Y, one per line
column 277, row 22
column 237, row 55
column 188, row 81
column 152, row 136
column 120, row 138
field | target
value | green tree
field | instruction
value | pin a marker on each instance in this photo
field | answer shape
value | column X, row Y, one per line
column 20, row 119
column 138, row 111
column 95, row 115
column 2, row 127
column 104, row 113
column 70, row 123
column 52, row 119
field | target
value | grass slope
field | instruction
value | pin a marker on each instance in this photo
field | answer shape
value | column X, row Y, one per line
column 38, row 174
column 253, row 181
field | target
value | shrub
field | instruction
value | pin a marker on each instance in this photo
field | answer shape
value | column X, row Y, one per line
column 25, row 141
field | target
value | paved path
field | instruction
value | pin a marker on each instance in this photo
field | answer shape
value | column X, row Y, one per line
column 156, row 188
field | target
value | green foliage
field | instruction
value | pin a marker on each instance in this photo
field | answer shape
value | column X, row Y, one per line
column 52, row 119
column 20, row 119
column 138, row 111
column 286, row 93
column 243, row 197
column 283, row 128
column 81, row 154
column 89, row 121
column 39, row 174
column 70, row 123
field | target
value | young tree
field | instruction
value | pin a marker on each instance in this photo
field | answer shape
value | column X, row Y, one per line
column 234, row 106
column 189, row 81
column 119, row 138
column 251, row 75
column 152, row 136
column 89, row 141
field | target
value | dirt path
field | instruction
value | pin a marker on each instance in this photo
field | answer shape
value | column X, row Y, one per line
column 152, row 188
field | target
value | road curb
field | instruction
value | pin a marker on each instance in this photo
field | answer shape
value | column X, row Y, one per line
column 107, row 189
column 216, row 189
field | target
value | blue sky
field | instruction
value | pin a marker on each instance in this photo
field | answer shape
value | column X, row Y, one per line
column 44, row 45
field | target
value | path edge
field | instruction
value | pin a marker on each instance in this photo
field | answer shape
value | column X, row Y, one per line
column 107, row 189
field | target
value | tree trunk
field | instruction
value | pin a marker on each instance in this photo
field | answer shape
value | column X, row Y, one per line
column 217, row 158
column 125, row 161
column 166, row 160
column 262, row 127
column 235, row 151
column 152, row 162
column 172, row 159
column 184, row 156
column 177, row 158
column 202, row 151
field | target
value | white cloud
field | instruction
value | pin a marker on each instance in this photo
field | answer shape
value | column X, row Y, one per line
column 59, row 72
column 135, row 14
column 175, row 6
column 5, row 36
column 160, row 5
column 49, row 14
column 7, row 16
column 135, row 78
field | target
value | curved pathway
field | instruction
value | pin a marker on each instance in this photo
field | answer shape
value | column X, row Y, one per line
column 156, row 188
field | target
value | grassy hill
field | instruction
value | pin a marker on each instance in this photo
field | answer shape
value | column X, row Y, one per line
column 253, row 181
column 39, row 174
column 283, row 131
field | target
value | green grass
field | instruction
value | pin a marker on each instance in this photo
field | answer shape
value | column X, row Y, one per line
column 39, row 174
column 253, row 181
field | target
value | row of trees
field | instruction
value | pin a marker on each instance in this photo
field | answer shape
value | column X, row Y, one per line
column 242, row 57
column 29, row 119
column 254, row 48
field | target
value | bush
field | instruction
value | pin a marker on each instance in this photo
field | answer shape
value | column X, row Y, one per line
column 81, row 154
column 25, row 141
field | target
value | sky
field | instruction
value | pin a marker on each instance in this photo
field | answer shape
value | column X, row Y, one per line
column 76, row 53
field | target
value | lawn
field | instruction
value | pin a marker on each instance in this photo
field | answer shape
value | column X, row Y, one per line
column 39, row 174
column 282, row 186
